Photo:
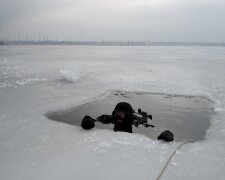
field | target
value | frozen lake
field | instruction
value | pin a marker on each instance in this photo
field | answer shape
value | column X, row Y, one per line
column 35, row 80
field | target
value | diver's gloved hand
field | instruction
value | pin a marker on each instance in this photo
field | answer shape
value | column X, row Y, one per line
column 88, row 122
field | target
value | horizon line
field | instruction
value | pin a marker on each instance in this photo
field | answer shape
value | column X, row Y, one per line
column 111, row 43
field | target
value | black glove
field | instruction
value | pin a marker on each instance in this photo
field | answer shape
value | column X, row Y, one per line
column 88, row 122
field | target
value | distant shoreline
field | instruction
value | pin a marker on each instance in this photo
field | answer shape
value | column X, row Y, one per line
column 113, row 43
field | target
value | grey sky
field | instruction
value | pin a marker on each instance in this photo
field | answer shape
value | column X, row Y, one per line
column 148, row 20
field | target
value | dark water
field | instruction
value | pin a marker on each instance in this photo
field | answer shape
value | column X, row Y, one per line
column 186, row 116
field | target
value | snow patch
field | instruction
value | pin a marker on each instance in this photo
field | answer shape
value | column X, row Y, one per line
column 69, row 76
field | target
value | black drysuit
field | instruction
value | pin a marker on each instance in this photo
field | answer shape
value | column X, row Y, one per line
column 125, row 124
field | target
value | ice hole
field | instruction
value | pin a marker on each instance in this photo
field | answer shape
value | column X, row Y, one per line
column 188, row 117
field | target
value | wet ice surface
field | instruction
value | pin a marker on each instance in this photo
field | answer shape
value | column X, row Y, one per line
column 188, row 117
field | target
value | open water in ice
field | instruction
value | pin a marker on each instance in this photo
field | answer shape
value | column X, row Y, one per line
column 188, row 117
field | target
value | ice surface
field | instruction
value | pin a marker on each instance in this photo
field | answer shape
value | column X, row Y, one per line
column 33, row 147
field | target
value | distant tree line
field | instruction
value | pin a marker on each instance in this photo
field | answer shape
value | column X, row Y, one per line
column 111, row 43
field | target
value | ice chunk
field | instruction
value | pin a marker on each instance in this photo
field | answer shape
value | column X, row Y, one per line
column 69, row 76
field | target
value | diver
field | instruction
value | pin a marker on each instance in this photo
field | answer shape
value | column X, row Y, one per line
column 123, row 117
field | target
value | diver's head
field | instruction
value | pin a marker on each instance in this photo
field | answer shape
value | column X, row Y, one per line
column 124, row 107
column 122, row 116
column 122, row 111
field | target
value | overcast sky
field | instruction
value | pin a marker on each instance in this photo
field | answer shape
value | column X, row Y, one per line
column 145, row 20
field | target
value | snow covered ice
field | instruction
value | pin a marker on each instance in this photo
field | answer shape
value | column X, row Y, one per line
column 37, row 79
